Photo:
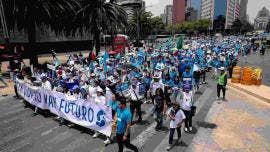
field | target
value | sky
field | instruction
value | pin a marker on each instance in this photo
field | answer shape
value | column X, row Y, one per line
column 157, row 7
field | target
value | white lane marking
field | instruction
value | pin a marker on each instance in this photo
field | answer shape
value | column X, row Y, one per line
column 49, row 131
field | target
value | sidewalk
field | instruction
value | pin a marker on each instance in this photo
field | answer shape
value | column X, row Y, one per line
column 241, row 124
column 262, row 92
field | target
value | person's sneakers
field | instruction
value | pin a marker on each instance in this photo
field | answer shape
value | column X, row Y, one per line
column 217, row 98
column 204, row 82
column 169, row 147
column 186, row 130
column 200, row 83
column 223, row 99
column 190, row 128
column 95, row 135
column 107, row 141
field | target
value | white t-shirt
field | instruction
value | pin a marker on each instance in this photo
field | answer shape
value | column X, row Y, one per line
column 179, row 117
column 187, row 101
column 47, row 85
column 100, row 100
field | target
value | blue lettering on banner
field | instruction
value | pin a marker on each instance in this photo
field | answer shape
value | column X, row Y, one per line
column 78, row 111
column 61, row 104
column 101, row 121
column 37, row 97
column 72, row 104
column 45, row 98
column 84, row 111
column 73, row 111
column 66, row 108
column 90, row 114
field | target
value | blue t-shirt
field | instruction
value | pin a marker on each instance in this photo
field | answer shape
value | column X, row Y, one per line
column 123, row 118
column 113, row 105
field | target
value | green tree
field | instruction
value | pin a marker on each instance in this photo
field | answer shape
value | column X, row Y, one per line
column 237, row 26
column 147, row 24
column 246, row 27
column 99, row 16
column 27, row 15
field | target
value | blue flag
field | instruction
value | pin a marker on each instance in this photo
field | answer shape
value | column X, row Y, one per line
column 105, row 58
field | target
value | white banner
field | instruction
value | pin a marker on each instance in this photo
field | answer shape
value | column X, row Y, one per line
column 85, row 113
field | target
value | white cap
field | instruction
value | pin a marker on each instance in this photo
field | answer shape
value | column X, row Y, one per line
column 222, row 68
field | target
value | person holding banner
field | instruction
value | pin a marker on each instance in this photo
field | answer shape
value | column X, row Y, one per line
column 45, row 85
column 123, row 127
column 99, row 99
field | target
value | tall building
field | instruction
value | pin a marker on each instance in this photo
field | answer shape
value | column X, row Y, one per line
column 131, row 6
column 243, row 10
column 237, row 10
column 222, row 13
column 163, row 18
column 179, row 8
column 230, row 12
column 262, row 18
column 207, row 9
column 168, row 15
column 193, row 10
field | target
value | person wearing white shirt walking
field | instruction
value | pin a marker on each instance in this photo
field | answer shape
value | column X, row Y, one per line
column 186, row 105
column 177, row 117
column 135, row 101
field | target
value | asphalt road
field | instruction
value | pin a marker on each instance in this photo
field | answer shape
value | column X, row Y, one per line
column 256, row 60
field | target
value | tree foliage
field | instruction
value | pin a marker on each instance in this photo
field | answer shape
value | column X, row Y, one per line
column 27, row 15
column 239, row 27
column 99, row 16
column 198, row 26
column 147, row 24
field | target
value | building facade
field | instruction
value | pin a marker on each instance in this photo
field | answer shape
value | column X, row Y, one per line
column 168, row 15
column 237, row 10
column 222, row 13
column 230, row 13
column 193, row 10
column 262, row 19
column 131, row 6
column 207, row 9
column 243, row 10
column 179, row 11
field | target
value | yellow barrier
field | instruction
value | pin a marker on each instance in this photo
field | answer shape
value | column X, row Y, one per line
column 236, row 75
column 257, row 76
column 247, row 76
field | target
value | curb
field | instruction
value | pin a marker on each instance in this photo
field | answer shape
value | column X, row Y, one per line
column 250, row 93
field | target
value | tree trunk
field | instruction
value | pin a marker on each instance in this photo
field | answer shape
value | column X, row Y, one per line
column 31, row 31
